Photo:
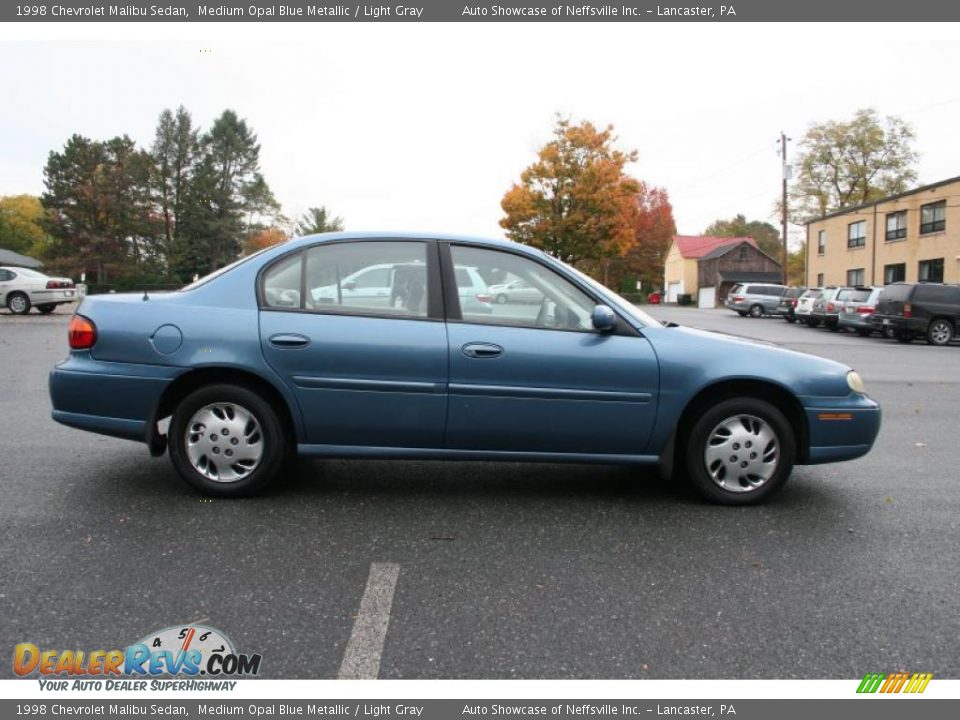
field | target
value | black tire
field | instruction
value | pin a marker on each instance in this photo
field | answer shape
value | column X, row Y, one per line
column 756, row 311
column 501, row 299
column 275, row 444
column 790, row 318
column 813, row 322
column 46, row 308
column 696, row 444
column 742, row 313
column 902, row 336
column 889, row 333
column 18, row 303
column 940, row 332
column 863, row 333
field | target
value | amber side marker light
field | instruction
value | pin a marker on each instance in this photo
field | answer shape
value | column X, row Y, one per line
column 835, row 416
column 81, row 333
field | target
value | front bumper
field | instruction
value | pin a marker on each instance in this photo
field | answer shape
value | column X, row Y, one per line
column 840, row 428
column 116, row 399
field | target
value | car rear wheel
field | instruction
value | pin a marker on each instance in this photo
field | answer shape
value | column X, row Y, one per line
column 501, row 299
column 863, row 333
column 18, row 303
column 903, row 336
column 740, row 452
column 756, row 311
column 813, row 322
column 940, row 332
column 46, row 308
column 790, row 318
column 227, row 441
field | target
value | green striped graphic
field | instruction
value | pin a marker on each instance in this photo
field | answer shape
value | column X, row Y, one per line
column 871, row 682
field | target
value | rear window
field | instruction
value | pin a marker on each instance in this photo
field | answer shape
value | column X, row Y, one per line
column 854, row 295
column 811, row 293
column 897, row 292
column 794, row 292
column 736, row 289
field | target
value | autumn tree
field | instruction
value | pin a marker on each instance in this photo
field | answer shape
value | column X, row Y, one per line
column 99, row 204
column 654, row 227
column 318, row 220
column 575, row 202
column 21, row 229
column 766, row 235
column 844, row 164
column 263, row 239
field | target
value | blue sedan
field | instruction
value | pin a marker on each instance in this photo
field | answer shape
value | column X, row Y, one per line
column 388, row 346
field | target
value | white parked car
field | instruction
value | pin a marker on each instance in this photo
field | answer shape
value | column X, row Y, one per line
column 22, row 289
column 805, row 305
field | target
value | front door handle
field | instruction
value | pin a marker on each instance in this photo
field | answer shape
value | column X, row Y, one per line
column 481, row 350
column 289, row 341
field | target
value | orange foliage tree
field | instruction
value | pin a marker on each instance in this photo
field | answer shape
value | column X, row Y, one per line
column 575, row 202
column 262, row 239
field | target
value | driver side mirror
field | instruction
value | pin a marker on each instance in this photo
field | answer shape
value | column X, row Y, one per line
column 349, row 285
column 603, row 318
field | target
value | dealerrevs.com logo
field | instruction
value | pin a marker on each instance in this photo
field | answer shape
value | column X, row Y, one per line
column 181, row 651
column 895, row 682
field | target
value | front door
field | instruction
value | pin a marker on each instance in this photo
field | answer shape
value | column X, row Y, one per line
column 539, row 378
column 368, row 370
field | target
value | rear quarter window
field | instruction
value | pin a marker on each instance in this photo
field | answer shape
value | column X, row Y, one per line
column 935, row 293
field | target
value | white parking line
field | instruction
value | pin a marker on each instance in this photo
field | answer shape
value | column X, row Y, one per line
column 361, row 660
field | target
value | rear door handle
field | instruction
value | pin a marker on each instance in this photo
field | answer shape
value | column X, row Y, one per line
column 289, row 341
column 481, row 350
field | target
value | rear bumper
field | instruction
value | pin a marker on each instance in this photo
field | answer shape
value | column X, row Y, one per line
column 898, row 322
column 116, row 399
column 44, row 297
column 855, row 321
column 841, row 428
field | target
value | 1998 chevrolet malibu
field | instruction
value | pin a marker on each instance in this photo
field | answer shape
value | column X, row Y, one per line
column 388, row 346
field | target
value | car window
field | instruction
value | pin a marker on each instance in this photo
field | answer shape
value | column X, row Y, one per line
column 854, row 295
column 811, row 293
column 463, row 278
column 375, row 278
column 736, row 289
column 563, row 306
column 281, row 283
column 935, row 293
column 6, row 275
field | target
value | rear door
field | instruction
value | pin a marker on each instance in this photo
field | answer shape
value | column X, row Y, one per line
column 368, row 371
column 537, row 377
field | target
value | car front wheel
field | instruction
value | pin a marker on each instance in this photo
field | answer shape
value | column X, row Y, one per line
column 740, row 452
column 227, row 441
column 18, row 303
column 940, row 332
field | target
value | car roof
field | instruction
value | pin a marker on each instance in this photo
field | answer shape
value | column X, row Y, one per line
column 373, row 236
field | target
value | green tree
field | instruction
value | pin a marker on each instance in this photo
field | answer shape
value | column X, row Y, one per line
column 175, row 153
column 844, row 164
column 100, row 209
column 21, row 225
column 766, row 235
column 575, row 202
column 318, row 220
column 796, row 266
column 225, row 198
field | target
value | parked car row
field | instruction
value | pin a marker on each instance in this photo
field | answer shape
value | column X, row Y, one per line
column 904, row 311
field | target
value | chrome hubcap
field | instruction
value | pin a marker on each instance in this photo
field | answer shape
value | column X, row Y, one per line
column 224, row 442
column 940, row 333
column 17, row 303
column 742, row 453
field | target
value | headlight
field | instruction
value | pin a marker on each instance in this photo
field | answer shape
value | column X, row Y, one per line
column 856, row 382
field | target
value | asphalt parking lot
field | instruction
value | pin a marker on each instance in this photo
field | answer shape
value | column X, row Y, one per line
column 499, row 570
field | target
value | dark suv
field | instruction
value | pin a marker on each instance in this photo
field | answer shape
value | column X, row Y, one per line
column 911, row 310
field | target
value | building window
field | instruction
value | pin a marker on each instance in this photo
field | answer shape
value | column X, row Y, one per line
column 819, row 279
column 857, row 234
column 930, row 270
column 856, row 276
column 897, row 225
column 894, row 273
column 821, row 242
column 743, row 252
column 933, row 217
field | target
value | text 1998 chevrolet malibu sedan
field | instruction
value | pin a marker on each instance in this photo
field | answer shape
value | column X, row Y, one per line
column 278, row 354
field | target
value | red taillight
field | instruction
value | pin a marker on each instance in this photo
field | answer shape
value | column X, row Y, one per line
column 865, row 309
column 793, row 302
column 907, row 310
column 59, row 284
column 738, row 298
column 81, row 333
column 483, row 298
column 829, row 307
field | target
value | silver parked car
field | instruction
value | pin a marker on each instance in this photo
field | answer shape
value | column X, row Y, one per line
column 22, row 288
column 858, row 305
column 515, row 291
column 754, row 299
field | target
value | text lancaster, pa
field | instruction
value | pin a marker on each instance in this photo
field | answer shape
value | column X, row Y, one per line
column 599, row 11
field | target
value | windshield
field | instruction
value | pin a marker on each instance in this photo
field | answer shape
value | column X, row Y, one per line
column 226, row 268
column 623, row 305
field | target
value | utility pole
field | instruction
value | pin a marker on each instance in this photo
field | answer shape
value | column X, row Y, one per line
column 783, row 204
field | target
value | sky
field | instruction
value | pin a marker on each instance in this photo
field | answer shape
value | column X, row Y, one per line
column 423, row 127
